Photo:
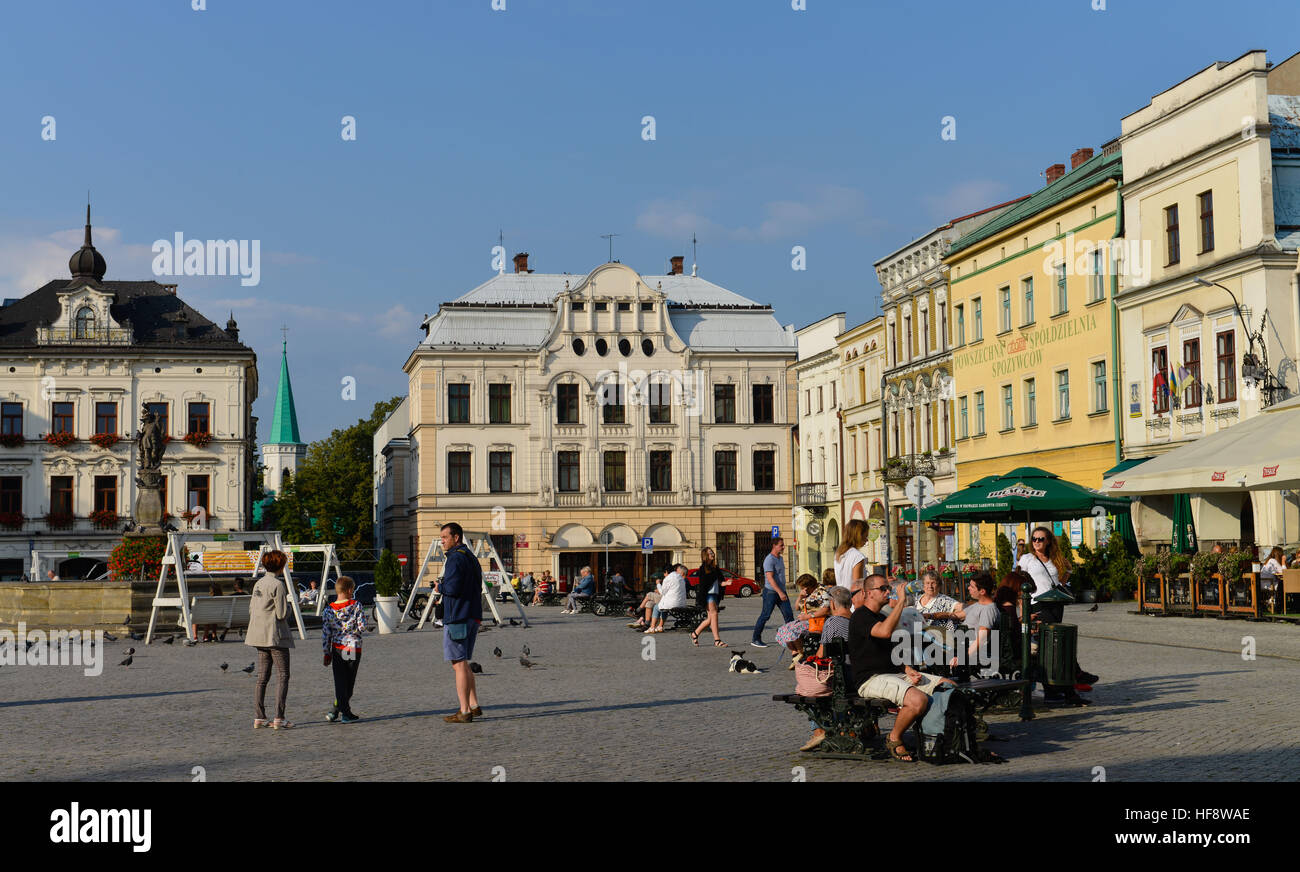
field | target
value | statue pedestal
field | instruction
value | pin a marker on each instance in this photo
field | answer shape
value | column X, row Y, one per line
column 148, row 501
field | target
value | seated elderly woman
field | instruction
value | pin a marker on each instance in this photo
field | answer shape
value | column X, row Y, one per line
column 940, row 612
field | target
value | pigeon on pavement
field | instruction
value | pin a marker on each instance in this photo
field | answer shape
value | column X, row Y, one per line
column 496, row 652
column 225, row 666
column 475, row 668
column 126, row 662
column 169, row 640
column 136, row 637
column 412, row 627
column 110, row 637
column 248, row 669
column 1094, row 608
column 128, row 652
column 525, row 662
column 526, row 651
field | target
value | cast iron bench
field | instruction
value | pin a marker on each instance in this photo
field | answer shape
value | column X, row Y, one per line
column 851, row 722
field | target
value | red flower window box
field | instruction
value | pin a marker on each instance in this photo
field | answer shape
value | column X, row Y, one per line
column 62, row 440
column 105, row 440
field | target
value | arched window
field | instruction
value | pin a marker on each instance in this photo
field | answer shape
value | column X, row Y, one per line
column 85, row 323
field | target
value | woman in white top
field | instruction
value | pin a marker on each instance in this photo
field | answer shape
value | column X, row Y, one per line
column 850, row 562
column 1047, row 566
column 1269, row 574
column 1044, row 562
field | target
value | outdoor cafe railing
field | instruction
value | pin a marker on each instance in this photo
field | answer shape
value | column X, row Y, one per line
column 1211, row 596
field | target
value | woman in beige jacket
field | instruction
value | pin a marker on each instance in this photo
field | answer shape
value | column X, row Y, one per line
column 268, row 632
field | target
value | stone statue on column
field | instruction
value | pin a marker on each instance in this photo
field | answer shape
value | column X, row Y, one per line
column 149, row 478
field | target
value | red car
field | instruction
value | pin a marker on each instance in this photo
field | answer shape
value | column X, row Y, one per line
column 733, row 585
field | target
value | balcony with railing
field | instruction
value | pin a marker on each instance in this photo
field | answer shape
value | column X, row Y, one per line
column 83, row 336
column 810, row 494
column 904, row 467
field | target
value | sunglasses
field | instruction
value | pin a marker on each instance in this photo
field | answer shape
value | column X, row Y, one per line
column 1040, row 539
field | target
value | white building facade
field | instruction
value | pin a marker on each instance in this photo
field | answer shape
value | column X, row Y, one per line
column 553, row 409
column 78, row 362
column 1211, row 201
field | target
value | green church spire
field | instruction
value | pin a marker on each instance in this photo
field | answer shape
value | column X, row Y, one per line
column 284, row 426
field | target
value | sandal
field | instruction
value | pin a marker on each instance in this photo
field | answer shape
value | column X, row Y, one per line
column 718, row 643
column 695, row 639
column 898, row 752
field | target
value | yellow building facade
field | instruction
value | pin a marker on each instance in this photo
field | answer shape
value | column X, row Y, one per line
column 1033, row 344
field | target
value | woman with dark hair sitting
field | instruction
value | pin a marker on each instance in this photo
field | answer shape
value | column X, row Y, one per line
column 268, row 632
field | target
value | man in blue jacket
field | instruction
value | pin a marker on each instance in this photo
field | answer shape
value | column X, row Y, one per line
column 461, row 587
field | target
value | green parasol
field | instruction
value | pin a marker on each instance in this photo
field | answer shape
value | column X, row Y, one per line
column 1027, row 492
column 1184, row 533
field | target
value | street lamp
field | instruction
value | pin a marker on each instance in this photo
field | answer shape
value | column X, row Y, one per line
column 1253, row 369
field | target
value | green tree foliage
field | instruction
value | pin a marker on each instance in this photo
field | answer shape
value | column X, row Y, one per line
column 329, row 500
column 1006, row 558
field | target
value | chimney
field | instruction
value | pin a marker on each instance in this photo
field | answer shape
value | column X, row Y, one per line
column 1079, row 157
column 521, row 262
column 171, row 289
column 1054, row 172
column 677, row 265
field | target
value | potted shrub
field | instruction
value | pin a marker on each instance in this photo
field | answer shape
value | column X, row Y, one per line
column 1006, row 557
column 105, row 440
column 388, row 581
column 1084, row 577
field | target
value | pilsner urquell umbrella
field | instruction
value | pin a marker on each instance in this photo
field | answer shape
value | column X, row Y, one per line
column 1023, row 494
column 933, row 512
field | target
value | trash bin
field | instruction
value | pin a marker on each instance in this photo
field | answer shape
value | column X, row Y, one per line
column 1058, row 650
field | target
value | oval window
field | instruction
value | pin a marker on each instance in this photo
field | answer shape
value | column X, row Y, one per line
column 602, row 347
column 624, row 347
column 647, row 347
column 579, row 347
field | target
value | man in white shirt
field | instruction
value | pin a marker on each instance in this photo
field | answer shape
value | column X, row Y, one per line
column 672, row 595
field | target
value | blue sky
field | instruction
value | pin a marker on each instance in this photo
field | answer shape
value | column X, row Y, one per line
column 774, row 128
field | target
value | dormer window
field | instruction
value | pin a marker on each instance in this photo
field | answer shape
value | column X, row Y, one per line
column 579, row 307
column 85, row 323
column 647, row 307
column 602, row 307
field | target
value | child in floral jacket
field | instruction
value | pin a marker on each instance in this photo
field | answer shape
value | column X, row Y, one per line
column 345, row 621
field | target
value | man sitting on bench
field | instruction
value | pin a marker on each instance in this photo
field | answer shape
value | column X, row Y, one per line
column 871, row 652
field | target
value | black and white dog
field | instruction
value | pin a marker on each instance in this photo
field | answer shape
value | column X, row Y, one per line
column 740, row 664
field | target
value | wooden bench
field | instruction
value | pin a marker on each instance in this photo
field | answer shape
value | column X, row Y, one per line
column 223, row 612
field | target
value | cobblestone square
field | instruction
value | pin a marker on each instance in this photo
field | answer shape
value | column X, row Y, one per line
column 1176, row 702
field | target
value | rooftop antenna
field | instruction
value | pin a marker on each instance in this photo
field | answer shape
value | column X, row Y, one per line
column 693, row 259
column 501, row 242
column 610, row 237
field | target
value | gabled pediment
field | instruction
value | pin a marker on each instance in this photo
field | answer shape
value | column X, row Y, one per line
column 1187, row 312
